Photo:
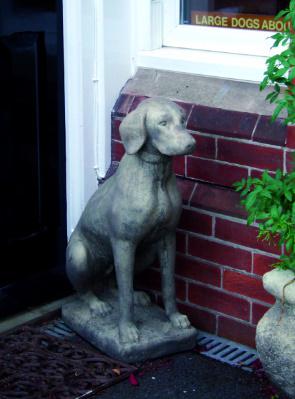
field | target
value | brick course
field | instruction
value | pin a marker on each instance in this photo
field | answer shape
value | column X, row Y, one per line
column 242, row 234
column 253, row 155
column 220, row 301
column 262, row 264
column 219, row 261
column 214, row 172
column 246, row 285
column 220, row 253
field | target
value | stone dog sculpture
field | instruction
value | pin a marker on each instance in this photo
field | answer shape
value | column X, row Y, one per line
column 132, row 217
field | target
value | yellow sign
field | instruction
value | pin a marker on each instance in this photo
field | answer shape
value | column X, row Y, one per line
column 239, row 21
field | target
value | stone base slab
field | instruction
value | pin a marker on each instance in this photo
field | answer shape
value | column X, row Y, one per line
column 157, row 336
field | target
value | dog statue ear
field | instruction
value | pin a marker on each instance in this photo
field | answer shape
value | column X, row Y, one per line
column 132, row 130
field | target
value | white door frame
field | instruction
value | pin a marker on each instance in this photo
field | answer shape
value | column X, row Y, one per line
column 98, row 60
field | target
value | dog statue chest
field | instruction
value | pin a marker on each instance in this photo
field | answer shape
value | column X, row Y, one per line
column 164, row 207
column 167, row 205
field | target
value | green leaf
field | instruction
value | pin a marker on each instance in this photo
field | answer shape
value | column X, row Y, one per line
column 281, row 72
column 281, row 105
column 287, row 17
column 277, row 88
column 289, row 244
column 274, row 97
column 264, row 83
column 269, row 222
column 270, row 95
column 266, row 194
column 288, row 195
column 251, row 219
column 281, row 14
column 292, row 74
column 250, row 200
column 262, row 215
column 279, row 174
column 274, row 213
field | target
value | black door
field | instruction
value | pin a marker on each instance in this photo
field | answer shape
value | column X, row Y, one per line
column 33, row 225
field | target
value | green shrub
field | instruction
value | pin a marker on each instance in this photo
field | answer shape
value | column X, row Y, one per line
column 270, row 201
column 280, row 72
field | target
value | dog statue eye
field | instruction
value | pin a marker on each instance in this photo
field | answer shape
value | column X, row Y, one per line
column 183, row 120
column 163, row 123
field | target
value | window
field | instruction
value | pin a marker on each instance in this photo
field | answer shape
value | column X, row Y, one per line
column 183, row 38
column 241, row 14
column 222, row 25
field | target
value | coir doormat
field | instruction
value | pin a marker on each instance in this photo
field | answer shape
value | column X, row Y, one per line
column 35, row 365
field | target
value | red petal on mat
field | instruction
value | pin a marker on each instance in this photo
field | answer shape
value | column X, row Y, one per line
column 201, row 349
column 257, row 365
column 133, row 380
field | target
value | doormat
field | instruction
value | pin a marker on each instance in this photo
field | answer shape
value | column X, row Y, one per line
column 35, row 365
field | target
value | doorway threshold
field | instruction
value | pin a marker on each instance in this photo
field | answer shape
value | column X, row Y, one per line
column 40, row 313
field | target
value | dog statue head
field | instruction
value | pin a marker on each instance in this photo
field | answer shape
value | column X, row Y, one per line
column 158, row 123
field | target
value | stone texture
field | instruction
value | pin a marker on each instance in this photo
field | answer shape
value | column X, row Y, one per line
column 203, row 90
column 131, row 220
column 157, row 336
column 275, row 338
column 275, row 342
column 275, row 281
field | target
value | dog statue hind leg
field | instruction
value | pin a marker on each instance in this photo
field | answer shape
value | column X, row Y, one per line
column 81, row 272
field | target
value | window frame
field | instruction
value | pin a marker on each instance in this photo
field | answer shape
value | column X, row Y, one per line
column 163, row 43
column 230, row 40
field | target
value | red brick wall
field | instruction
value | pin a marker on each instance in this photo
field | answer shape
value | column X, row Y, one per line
column 219, row 260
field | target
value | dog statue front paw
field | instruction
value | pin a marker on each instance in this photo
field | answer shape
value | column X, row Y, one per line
column 128, row 333
column 179, row 320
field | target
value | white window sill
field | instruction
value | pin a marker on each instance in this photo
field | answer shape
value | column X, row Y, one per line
column 208, row 63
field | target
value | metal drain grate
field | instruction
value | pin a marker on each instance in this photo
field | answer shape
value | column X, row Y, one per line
column 58, row 329
column 227, row 351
